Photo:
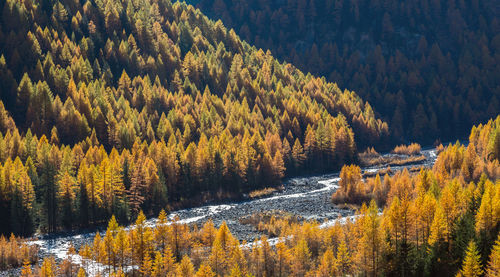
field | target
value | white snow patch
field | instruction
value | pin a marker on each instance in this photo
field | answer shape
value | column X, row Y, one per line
column 286, row 196
column 371, row 170
column 342, row 221
column 329, row 184
column 271, row 242
column 93, row 268
column 204, row 212
column 190, row 219
column 327, row 224
column 211, row 210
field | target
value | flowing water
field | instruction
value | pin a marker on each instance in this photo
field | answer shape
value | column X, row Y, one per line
column 308, row 197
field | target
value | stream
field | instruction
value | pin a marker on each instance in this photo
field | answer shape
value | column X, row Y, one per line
column 308, row 197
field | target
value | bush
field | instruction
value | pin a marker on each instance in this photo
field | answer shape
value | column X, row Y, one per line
column 261, row 192
column 412, row 149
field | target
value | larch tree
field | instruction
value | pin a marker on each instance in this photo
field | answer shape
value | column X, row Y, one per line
column 282, row 259
column 137, row 187
column 121, row 247
column 371, row 242
column 141, row 239
column 493, row 267
column 205, row 271
column 168, row 262
column 218, row 258
column 26, row 270
column 301, row 259
column 67, row 188
column 439, row 230
column 327, row 266
column 185, row 268
column 146, row 265
column 485, row 217
column 344, row 262
column 472, row 262
column 48, row 268
column 161, row 230
column 208, row 233
column 266, row 257
column 157, row 269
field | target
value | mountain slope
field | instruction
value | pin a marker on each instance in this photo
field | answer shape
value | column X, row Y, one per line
column 430, row 68
column 115, row 106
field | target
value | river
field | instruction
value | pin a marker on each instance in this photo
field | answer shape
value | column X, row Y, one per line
column 308, row 197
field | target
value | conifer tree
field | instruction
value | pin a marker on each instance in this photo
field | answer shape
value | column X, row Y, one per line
column 343, row 258
column 48, row 268
column 493, row 267
column 472, row 262
column 205, row 271
column 185, row 268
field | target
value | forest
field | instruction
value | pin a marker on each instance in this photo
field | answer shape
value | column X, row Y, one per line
column 116, row 111
column 111, row 107
column 443, row 221
column 429, row 67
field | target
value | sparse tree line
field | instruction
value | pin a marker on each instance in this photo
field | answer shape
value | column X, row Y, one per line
column 15, row 252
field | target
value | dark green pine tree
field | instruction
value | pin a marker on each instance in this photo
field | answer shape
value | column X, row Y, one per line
column 83, row 206
column 49, row 194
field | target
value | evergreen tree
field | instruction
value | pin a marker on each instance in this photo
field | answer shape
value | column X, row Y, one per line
column 472, row 262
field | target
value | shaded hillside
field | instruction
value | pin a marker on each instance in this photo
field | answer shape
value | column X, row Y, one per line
column 430, row 68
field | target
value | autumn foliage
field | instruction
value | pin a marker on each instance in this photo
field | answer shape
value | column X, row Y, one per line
column 412, row 149
column 112, row 107
column 429, row 223
column 15, row 252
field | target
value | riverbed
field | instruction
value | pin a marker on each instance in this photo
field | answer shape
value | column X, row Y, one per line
column 308, row 197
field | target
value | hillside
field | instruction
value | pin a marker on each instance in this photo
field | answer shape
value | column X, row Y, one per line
column 111, row 107
column 430, row 68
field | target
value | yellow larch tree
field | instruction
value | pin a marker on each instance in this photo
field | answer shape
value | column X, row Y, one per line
column 121, row 247
column 472, row 262
column 218, row 258
column 301, row 259
column 485, row 217
column 344, row 262
column 439, row 229
column 493, row 268
column 147, row 265
column 282, row 259
column 328, row 265
column 266, row 257
column 48, row 267
column 26, row 270
column 208, row 233
column 205, row 271
column 168, row 262
column 185, row 268
column 141, row 239
column 236, row 272
column 426, row 214
column 371, row 240
column 161, row 230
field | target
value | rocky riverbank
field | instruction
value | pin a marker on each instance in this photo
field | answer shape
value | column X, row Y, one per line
column 308, row 197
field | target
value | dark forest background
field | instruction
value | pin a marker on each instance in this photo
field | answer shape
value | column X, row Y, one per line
column 429, row 67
